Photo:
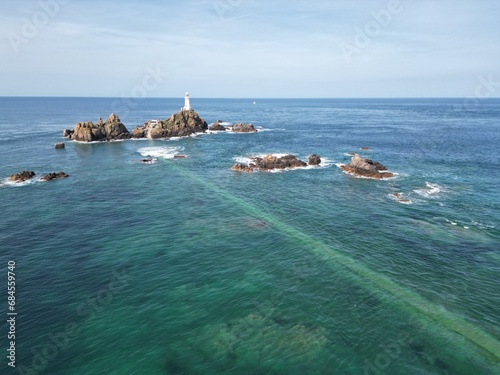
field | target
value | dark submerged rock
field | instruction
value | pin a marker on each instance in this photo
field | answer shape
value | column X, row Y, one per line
column 54, row 176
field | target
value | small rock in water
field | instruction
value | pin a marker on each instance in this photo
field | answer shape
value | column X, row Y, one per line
column 59, row 145
column 314, row 160
column 54, row 176
column 217, row 126
column 243, row 128
column 22, row 176
column 362, row 167
column 146, row 161
column 67, row 133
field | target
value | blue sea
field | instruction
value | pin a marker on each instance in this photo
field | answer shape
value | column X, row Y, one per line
column 184, row 266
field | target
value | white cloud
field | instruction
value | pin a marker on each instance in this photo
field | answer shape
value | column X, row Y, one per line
column 252, row 48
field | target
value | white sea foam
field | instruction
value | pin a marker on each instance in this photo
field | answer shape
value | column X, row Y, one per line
column 94, row 142
column 466, row 224
column 259, row 129
column 6, row 182
column 163, row 152
column 150, row 161
column 400, row 199
column 431, row 190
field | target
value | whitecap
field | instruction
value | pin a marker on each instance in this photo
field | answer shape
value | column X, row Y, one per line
column 400, row 198
column 160, row 152
column 95, row 142
column 9, row 183
column 431, row 191
column 262, row 129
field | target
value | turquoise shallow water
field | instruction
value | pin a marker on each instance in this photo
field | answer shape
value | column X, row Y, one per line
column 185, row 267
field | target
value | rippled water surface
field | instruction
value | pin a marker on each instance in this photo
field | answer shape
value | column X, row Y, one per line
column 186, row 267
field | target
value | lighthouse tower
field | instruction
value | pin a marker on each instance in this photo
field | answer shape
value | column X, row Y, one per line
column 187, row 104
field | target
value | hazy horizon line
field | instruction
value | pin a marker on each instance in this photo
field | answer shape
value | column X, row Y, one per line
column 246, row 98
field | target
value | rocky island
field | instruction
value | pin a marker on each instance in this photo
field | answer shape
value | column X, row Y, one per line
column 109, row 130
column 184, row 123
column 272, row 162
column 367, row 168
column 243, row 128
column 180, row 124
column 217, row 126
column 22, row 176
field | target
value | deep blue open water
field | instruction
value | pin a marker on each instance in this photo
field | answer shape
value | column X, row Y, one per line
column 186, row 267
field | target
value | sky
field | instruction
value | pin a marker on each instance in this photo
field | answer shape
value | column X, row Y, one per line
column 250, row 48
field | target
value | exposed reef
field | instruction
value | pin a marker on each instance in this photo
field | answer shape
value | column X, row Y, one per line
column 367, row 168
column 272, row 162
column 54, row 176
column 243, row 128
column 22, row 176
column 217, row 126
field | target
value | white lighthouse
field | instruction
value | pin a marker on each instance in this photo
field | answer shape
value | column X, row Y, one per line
column 187, row 104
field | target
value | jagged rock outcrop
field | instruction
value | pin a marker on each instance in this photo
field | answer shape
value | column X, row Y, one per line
column 54, row 176
column 67, row 133
column 22, row 176
column 314, row 160
column 243, row 128
column 109, row 130
column 362, row 167
column 217, row 126
column 180, row 124
column 59, row 145
column 270, row 162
